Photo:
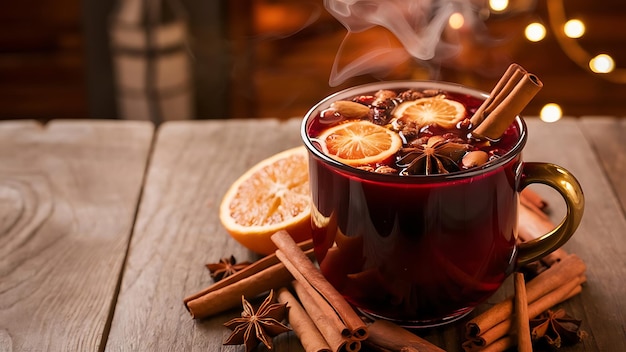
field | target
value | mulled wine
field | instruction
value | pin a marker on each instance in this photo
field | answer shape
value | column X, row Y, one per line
column 434, row 137
column 405, row 225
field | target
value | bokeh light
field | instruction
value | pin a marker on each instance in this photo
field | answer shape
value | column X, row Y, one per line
column 535, row 32
column 574, row 28
column 551, row 112
column 456, row 21
column 602, row 63
column 498, row 5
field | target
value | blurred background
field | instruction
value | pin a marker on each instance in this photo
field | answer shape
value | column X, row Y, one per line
column 275, row 58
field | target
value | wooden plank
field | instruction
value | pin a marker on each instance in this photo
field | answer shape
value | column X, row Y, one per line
column 607, row 135
column 68, row 194
column 177, row 230
column 599, row 239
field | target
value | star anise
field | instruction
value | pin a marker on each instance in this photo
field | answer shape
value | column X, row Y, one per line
column 437, row 156
column 556, row 329
column 260, row 326
column 225, row 268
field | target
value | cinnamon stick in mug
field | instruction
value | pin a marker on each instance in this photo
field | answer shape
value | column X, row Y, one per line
column 502, row 88
column 513, row 92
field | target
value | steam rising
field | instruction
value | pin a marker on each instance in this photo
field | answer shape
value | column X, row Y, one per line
column 417, row 24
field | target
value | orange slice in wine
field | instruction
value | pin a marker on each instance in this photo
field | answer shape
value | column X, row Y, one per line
column 429, row 111
column 359, row 143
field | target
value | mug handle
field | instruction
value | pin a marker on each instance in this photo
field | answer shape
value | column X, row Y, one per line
column 566, row 184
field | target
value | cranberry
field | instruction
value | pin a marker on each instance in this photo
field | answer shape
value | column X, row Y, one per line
column 380, row 116
column 364, row 99
column 410, row 94
column 496, row 153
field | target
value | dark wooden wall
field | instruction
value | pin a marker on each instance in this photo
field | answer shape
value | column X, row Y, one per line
column 290, row 72
column 42, row 63
column 263, row 59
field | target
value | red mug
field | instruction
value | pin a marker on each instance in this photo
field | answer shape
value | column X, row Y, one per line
column 423, row 251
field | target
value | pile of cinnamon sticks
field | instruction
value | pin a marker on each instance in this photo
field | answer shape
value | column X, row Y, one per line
column 493, row 330
column 321, row 318
column 559, row 276
column 338, row 324
column 324, row 321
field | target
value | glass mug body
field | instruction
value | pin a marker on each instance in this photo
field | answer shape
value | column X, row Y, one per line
column 417, row 250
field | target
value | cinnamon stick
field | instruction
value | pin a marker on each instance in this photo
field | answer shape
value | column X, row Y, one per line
column 309, row 335
column 322, row 321
column 324, row 294
column 392, row 337
column 501, row 345
column 533, row 200
column 261, row 276
column 495, row 334
column 502, row 88
column 227, row 297
column 511, row 94
column 531, row 225
column 522, row 322
column 566, row 271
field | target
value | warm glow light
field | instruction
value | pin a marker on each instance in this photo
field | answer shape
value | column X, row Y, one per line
column 551, row 113
column 498, row 5
column 574, row 28
column 602, row 64
column 535, row 32
column 456, row 20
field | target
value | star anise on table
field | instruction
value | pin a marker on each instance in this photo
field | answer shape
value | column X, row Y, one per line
column 225, row 268
column 253, row 327
column 556, row 329
column 437, row 155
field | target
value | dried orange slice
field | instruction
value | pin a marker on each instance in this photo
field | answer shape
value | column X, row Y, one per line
column 273, row 195
column 428, row 111
column 359, row 142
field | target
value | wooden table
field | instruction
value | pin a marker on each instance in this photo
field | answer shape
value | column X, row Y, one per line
column 105, row 226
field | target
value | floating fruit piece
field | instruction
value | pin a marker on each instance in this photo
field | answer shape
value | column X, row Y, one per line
column 350, row 110
column 359, row 143
column 429, row 111
column 475, row 158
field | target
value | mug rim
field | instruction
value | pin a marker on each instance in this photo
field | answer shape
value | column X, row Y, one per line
column 425, row 84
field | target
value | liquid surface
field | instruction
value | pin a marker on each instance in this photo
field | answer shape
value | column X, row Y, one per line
column 404, row 248
column 433, row 127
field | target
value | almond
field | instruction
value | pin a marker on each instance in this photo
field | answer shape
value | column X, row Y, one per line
column 350, row 109
column 475, row 158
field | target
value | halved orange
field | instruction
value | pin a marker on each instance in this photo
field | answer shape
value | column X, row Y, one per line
column 359, row 142
column 273, row 195
column 428, row 111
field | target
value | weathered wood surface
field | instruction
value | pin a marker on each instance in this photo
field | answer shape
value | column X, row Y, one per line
column 607, row 136
column 68, row 195
column 600, row 240
column 177, row 231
